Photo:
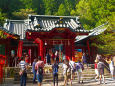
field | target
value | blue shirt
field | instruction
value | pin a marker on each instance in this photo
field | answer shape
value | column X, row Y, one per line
column 33, row 66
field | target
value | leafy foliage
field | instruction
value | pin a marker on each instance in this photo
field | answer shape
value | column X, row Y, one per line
column 23, row 13
column 62, row 10
column 2, row 17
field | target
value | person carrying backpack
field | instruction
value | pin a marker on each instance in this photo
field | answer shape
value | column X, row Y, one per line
column 100, row 67
column 55, row 72
column 39, row 67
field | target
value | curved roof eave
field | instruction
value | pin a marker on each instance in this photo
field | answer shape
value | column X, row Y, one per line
column 96, row 31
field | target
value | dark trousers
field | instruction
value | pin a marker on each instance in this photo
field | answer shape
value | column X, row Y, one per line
column 23, row 79
column 55, row 79
column 34, row 78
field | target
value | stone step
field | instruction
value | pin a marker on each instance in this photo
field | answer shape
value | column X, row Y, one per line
column 88, row 73
column 85, row 76
column 60, row 79
column 49, row 75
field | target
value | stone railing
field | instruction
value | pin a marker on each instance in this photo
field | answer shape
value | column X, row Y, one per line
column 11, row 71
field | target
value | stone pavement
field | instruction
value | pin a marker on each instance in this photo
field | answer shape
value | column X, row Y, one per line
column 109, row 82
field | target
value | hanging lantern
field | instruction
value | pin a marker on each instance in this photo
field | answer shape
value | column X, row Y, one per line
column 45, row 43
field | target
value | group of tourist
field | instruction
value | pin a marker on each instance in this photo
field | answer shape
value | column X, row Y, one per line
column 69, row 69
column 99, row 68
column 51, row 57
column 37, row 69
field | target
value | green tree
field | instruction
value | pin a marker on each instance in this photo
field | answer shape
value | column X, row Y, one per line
column 38, row 7
column 62, row 11
column 83, row 9
column 2, row 17
column 9, row 6
column 94, row 13
column 69, row 5
column 26, row 3
column 50, row 7
column 23, row 13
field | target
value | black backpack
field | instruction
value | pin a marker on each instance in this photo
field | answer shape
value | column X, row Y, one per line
column 40, row 70
column 100, row 65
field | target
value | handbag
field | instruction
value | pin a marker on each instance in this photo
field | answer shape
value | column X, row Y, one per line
column 21, row 72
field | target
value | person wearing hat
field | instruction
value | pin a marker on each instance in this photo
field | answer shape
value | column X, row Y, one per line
column 96, row 70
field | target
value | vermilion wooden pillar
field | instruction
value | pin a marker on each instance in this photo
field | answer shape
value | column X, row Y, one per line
column 20, row 46
column 41, row 50
column 40, row 43
column 68, row 51
column 2, row 63
column 1, row 73
column 73, row 49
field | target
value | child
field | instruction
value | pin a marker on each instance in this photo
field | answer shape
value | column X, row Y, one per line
column 55, row 72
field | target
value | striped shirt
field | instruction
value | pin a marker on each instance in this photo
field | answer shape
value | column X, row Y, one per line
column 22, row 65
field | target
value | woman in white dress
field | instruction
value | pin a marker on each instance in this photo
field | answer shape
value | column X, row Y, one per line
column 111, row 66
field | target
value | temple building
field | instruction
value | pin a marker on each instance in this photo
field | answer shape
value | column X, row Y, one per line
column 41, row 34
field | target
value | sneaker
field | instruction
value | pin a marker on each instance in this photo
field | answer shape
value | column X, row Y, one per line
column 112, row 78
column 96, row 80
column 100, row 82
column 82, row 81
column 34, row 82
column 104, row 83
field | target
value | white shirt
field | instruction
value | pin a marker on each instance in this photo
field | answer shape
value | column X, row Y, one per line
column 72, row 64
column 64, row 69
column 111, row 66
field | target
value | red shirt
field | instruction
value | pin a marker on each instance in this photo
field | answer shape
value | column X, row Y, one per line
column 95, row 65
column 27, row 60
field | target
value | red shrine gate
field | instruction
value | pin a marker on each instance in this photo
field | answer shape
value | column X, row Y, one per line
column 56, row 37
